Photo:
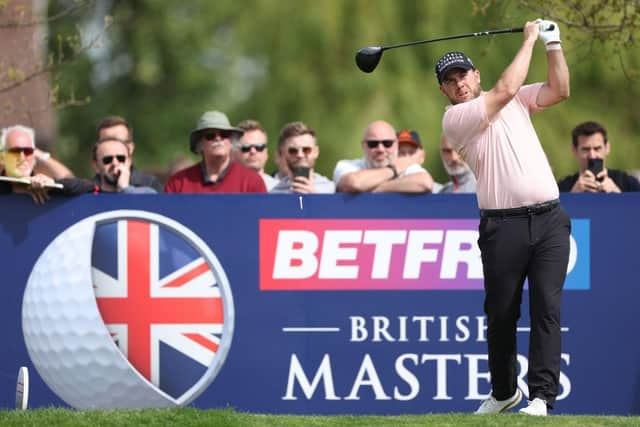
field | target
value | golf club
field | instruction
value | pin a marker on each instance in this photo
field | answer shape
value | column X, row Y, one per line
column 367, row 58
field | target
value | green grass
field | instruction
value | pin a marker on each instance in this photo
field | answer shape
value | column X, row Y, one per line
column 228, row 417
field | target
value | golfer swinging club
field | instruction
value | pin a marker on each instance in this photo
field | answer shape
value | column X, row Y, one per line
column 523, row 230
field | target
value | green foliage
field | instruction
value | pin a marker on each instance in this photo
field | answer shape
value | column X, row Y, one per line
column 163, row 63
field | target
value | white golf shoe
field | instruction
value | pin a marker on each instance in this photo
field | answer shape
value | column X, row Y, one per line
column 537, row 407
column 493, row 406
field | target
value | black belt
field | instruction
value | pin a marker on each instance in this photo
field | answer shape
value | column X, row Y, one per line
column 537, row 209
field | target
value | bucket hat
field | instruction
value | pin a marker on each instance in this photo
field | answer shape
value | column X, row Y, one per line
column 212, row 120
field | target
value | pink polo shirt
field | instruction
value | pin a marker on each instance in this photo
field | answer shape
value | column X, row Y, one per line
column 504, row 154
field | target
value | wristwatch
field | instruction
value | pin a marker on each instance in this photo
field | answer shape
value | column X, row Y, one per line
column 394, row 170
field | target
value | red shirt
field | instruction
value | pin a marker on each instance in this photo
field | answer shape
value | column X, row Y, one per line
column 235, row 179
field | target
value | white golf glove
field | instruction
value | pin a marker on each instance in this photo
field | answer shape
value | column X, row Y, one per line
column 549, row 33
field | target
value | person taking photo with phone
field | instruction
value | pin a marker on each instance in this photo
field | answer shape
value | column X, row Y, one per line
column 298, row 147
column 591, row 147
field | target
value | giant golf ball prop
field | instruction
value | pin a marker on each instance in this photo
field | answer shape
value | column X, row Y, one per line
column 66, row 337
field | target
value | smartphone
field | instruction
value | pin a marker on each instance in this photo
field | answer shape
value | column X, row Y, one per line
column 301, row 171
column 595, row 166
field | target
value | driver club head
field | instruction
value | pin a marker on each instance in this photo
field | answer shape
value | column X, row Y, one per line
column 367, row 58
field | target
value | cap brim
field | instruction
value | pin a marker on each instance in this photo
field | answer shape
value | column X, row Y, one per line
column 193, row 140
column 408, row 141
column 448, row 68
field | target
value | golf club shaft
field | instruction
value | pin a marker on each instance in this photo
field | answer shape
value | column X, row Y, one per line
column 460, row 36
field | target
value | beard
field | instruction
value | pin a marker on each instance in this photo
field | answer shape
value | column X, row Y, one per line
column 459, row 169
column 381, row 163
column 111, row 179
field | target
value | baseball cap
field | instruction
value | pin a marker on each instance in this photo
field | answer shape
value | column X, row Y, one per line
column 451, row 60
column 409, row 137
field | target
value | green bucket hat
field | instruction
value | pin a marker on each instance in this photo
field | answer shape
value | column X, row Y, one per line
column 212, row 120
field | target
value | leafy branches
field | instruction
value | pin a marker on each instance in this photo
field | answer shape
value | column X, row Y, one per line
column 16, row 22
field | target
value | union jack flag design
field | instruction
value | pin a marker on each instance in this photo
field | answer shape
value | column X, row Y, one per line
column 160, row 301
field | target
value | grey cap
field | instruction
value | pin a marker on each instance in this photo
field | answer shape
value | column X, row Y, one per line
column 212, row 120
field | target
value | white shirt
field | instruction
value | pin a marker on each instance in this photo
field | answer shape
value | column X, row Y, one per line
column 348, row 166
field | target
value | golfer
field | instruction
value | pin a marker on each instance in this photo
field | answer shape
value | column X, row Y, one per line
column 523, row 230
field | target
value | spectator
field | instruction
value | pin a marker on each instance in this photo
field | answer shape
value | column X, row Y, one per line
column 380, row 169
column 298, row 148
column 217, row 172
column 462, row 178
column 410, row 144
column 117, row 127
column 18, row 149
column 112, row 164
column 17, row 144
column 251, row 150
column 591, row 148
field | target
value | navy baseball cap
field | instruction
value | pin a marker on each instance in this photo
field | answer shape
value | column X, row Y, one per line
column 451, row 60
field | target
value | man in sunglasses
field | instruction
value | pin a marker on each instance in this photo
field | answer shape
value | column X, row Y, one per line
column 381, row 169
column 299, row 150
column 212, row 138
column 17, row 152
column 118, row 128
column 251, row 150
column 112, row 164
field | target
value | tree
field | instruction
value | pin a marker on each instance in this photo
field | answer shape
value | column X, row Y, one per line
column 163, row 63
column 27, row 68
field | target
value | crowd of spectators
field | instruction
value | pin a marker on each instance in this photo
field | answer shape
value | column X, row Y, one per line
column 233, row 159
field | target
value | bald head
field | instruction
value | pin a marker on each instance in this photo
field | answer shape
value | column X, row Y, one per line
column 379, row 130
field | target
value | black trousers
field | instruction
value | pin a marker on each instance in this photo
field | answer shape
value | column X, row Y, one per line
column 516, row 245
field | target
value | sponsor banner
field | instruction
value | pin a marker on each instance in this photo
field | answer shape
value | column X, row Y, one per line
column 384, row 254
column 327, row 304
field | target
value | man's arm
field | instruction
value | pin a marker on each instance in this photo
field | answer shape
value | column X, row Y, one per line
column 556, row 88
column 364, row 180
column 47, row 165
column 420, row 182
column 513, row 77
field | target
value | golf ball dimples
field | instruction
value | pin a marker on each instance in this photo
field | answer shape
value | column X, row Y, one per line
column 66, row 338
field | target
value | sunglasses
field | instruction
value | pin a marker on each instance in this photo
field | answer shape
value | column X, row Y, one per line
column 373, row 143
column 259, row 148
column 17, row 150
column 293, row 151
column 211, row 135
column 107, row 160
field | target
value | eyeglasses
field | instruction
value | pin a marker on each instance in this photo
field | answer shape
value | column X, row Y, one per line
column 259, row 147
column 293, row 151
column 212, row 134
column 107, row 160
column 373, row 143
column 17, row 150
